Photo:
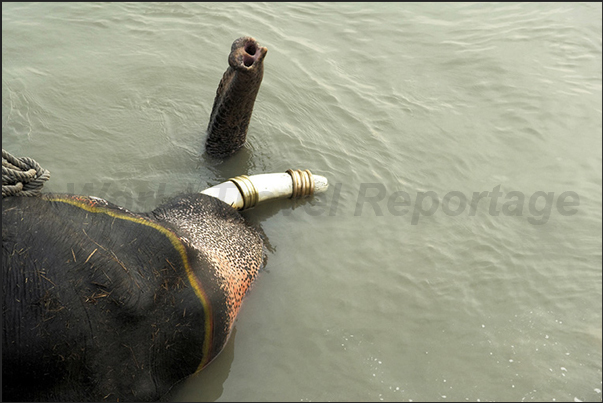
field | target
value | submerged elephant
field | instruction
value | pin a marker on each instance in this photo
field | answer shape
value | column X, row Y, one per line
column 100, row 303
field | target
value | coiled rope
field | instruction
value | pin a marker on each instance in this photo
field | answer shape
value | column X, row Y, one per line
column 22, row 176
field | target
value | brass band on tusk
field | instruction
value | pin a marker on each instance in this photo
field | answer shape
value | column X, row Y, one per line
column 303, row 183
column 271, row 185
column 248, row 191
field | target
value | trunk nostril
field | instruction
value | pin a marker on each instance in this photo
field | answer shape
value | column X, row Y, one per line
column 249, row 54
column 251, row 48
column 248, row 60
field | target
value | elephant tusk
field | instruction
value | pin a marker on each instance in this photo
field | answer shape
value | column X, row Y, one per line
column 244, row 192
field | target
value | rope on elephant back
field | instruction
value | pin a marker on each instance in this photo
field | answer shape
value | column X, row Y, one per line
column 22, row 176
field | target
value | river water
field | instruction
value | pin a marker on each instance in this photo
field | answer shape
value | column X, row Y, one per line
column 457, row 253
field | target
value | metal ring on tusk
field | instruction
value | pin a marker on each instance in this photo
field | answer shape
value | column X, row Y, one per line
column 240, row 192
column 295, row 179
column 248, row 192
column 303, row 183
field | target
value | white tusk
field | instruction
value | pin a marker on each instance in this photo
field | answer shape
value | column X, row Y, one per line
column 244, row 192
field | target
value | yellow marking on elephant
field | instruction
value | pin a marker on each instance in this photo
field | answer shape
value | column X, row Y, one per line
column 176, row 243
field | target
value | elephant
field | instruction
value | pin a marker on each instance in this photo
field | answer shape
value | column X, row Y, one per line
column 101, row 303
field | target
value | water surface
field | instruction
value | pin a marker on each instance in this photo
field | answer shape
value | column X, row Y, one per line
column 457, row 253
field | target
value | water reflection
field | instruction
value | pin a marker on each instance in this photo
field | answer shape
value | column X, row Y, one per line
column 207, row 385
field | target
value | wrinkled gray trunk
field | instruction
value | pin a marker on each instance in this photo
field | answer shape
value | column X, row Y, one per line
column 235, row 97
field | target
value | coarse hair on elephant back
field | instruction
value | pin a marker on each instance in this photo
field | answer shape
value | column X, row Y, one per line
column 109, row 304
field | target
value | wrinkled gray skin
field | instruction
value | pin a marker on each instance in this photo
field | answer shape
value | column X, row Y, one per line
column 99, row 303
column 235, row 97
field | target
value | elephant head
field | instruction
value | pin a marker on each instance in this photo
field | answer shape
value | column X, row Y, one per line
column 101, row 303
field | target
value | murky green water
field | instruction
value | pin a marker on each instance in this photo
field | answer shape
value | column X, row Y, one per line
column 457, row 253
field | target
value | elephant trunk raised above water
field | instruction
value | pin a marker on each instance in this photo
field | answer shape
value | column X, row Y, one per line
column 235, row 98
column 100, row 303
